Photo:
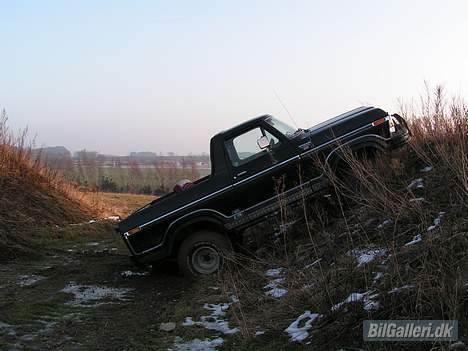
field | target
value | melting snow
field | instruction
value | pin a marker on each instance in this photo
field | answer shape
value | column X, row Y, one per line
column 274, row 288
column 366, row 255
column 8, row 328
column 367, row 298
column 377, row 277
column 28, row 280
column 417, row 199
column 416, row 239
column 370, row 303
column 404, row 287
column 196, row 344
column 351, row 298
column 275, row 272
column 215, row 321
column 416, row 184
column 259, row 332
column 130, row 274
column 437, row 222
column 426, row 169
column 91, row 295
column 297, row 333
column 384, row 223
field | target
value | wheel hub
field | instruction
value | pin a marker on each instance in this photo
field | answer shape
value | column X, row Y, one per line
column 205, row 260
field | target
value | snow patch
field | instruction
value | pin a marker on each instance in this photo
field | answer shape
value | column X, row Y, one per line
column 426, row 169
column 416, row 184
column 437, row 221
column 384, row 223
column 367, row 255
column 215, row 320
column 110, row 218
column 367, row 298
column 92, row 296
column 274, row 288
column 127, row 274
column 8, row 329
column 401, row 288
column 275, row 272
column 298, row 333
column 196, row 344
column 417, row 199
column 416, row 239
column 28, row 280
column 377, row 277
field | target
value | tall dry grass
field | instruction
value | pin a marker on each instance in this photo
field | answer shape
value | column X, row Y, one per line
column 19, row 166
column 374, row 208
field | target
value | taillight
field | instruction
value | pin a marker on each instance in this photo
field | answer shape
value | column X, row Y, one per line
column 379, row 122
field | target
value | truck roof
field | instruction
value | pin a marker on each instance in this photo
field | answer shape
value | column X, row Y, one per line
column 241, row 126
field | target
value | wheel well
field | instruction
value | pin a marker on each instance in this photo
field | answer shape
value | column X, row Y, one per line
column 367, row 151
column 185, row 231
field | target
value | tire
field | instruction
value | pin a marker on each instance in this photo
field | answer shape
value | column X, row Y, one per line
column 203, row 253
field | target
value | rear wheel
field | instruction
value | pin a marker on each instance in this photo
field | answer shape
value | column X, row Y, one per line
column 203, row 253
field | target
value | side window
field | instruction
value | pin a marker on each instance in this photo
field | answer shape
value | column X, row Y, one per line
column 273, row 140
column 244, row 148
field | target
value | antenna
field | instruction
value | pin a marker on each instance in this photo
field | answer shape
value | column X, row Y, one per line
column 284, row 106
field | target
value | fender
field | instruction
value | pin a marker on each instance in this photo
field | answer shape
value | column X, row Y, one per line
column 368, row 141
column 176, row 230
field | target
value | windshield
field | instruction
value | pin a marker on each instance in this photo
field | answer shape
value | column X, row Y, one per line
column 281, row 126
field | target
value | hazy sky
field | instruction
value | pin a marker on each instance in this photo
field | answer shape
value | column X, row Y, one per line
column 119, row 76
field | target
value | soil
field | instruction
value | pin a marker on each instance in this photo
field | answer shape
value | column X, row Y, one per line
column 85, row 294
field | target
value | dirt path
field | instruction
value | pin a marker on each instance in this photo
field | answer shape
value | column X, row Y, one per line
column 85, row 296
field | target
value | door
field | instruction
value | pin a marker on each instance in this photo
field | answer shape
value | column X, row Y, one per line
column 260, row 173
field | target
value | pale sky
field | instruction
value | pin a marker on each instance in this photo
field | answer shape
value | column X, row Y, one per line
column 121, row 76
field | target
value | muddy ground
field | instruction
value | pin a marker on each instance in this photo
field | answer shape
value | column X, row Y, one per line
column 83, row 293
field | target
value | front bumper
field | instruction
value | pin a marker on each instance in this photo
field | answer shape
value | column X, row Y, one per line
column 142, row 251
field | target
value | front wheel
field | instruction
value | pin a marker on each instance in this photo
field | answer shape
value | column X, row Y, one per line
column 203, row 253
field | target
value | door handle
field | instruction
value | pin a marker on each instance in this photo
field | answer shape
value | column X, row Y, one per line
column 240, row 174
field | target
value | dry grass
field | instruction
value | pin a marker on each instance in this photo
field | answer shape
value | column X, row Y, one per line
column 122, row 204
column 320, row 269
column 19, row 169
column 33, row 196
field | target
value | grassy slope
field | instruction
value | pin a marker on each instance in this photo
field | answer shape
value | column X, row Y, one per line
column 378, row 212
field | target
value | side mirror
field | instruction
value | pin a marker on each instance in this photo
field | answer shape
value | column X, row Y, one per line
column 263, row 142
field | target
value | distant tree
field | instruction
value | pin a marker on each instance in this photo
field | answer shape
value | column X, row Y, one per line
column 146, row 189
column 106, row 183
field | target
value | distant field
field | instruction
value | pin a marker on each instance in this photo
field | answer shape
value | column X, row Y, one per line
column 123, row 204
column 141, row 180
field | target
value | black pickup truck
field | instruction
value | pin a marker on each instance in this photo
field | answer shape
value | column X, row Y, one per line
column 200, row 223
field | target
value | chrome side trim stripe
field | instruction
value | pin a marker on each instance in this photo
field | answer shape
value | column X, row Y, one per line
column 258, row 174
column 264, row 201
